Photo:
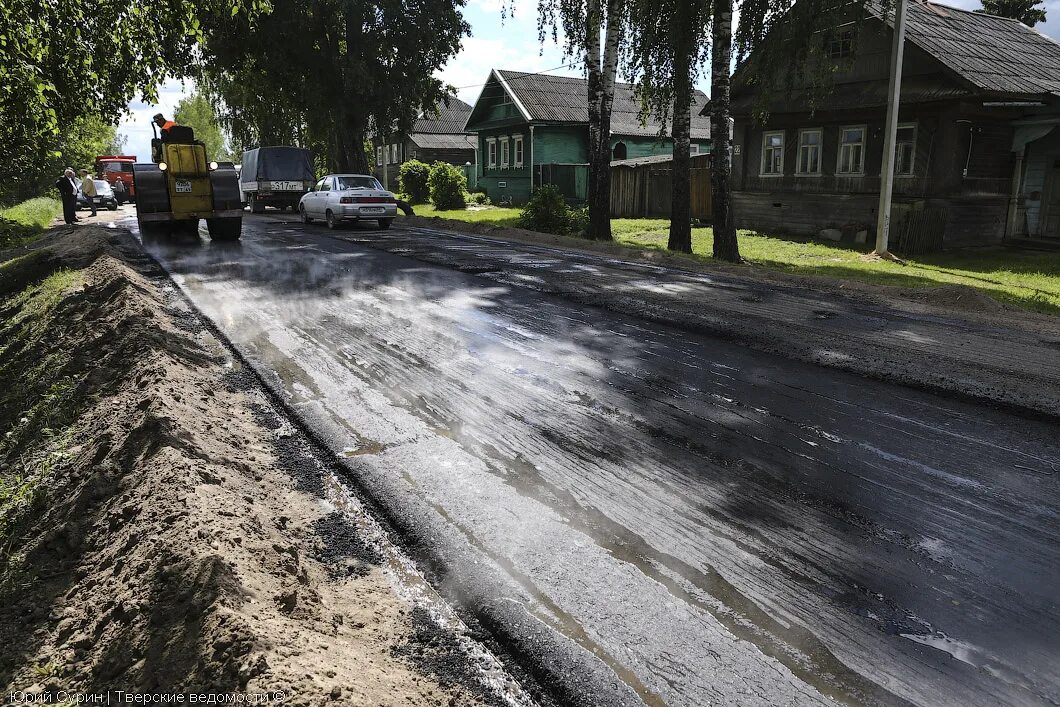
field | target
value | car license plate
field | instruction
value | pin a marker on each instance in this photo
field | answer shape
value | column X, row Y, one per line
column 373, row 210
column 182, row 186
column 285, row 186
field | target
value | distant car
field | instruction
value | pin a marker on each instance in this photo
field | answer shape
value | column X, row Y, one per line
column 348, row 197
column 104, row 196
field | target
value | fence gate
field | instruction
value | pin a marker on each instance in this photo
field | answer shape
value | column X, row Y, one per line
column 647, row 191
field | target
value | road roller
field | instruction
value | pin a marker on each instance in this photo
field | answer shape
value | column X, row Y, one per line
column 179, row 187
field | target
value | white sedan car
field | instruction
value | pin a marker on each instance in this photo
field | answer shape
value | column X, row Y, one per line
column 348, row 197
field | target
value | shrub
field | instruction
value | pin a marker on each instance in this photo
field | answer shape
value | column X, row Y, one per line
column 547, row 211
column 477, row 197
column 579, row 221
column 447, row 184
column 413, row 179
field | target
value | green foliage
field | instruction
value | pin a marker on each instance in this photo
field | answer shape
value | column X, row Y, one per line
column 198, row 113
column 61, row 62
column 447, row 185
column 25, row 221
column 76, row 145
column 321, row 74
column 1029, row 12
column 414, row 178
column 547, row 211
column 477, row 197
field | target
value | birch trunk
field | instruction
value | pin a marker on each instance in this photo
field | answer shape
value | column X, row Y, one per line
column 725, row 244
column 602, row 197
column 680, row 190
column 595, row 90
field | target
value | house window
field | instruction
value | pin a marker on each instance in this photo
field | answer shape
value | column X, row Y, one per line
column 504, row 153
column 851, row 150
column 386, row 154
column 491, row 151
column 619, row 152
column 773, row 154
column 379, row 156
column 396, row 154
column 693, row 149
column 841, row 45
column 809, row 152
column 518, row 149
column 905, row 150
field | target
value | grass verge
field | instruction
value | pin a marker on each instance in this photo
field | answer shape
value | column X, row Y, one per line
column 497, row 215
column 24, row 222
column 38, row 407
column 1028, row 279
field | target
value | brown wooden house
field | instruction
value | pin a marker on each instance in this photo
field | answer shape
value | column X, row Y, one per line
column 435, row 137
column 978, row 149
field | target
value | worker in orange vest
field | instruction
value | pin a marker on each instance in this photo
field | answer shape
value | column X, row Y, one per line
column 162, row 123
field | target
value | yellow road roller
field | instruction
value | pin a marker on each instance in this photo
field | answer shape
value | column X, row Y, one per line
column 180, row 187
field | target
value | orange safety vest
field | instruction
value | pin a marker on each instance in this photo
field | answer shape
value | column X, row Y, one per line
column 168, row 124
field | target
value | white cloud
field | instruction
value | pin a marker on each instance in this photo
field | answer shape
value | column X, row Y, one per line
column 137, row 123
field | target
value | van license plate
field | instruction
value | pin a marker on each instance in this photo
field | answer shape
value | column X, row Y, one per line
column 182, row 186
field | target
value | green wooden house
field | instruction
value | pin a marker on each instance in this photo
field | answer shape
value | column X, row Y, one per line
column 533, row 129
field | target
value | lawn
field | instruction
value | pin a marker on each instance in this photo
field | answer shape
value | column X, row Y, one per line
column 22, row 222
column 1030, row 279
column 498, row 215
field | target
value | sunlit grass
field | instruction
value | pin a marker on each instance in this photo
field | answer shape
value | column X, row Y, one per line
column 23, row 222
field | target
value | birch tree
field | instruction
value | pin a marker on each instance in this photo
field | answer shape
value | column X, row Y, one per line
column 592, row 29
column 726, row 246
column 668, row 40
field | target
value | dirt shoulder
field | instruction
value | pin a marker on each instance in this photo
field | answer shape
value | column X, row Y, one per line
column 951, row 340
column 164, row 530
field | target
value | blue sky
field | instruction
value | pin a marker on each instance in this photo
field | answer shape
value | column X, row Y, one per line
column 509, row 43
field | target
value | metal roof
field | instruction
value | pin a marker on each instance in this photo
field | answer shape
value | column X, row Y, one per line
column 543, row 98
column 994, row 54
column 703, row 158
column 445, row 120
column 443, row 141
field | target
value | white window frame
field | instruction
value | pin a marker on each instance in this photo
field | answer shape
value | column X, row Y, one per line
column 693, row 148
column 517, row 151
column 379, row 156
column 839, row 152
column 506, row 153
column 386, row 155
column 820, row 152
column 762, row 162
column 397, row 154
column 491, row 153
column 912, row 156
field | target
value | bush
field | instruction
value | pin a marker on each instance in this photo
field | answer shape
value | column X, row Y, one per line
column 447, row 184
column 477, row 197
column 413, row 179
column 579, row 221
column 547, row 211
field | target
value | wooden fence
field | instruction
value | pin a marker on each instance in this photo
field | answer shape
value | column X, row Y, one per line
column 644, row 190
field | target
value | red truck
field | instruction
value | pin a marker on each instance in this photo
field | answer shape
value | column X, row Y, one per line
column 111, row 167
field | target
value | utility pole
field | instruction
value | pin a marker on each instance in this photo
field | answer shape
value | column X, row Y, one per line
column 894, row 91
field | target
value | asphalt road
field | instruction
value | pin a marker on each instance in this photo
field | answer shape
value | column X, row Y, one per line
column 711, row 524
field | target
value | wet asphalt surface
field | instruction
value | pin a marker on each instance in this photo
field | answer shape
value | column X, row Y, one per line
column 694, row 522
